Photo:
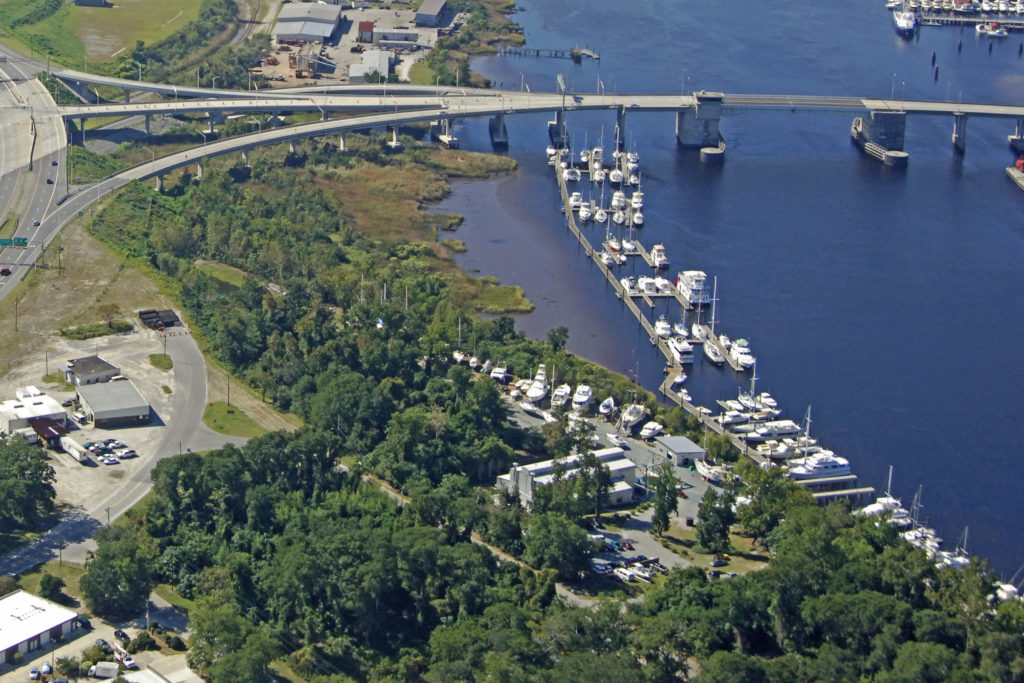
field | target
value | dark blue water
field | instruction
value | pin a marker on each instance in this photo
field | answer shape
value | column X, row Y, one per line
column 887, row 299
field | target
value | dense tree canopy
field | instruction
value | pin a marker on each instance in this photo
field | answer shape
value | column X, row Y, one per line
column 26, row 484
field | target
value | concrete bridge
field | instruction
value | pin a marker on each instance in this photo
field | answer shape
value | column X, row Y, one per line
column 880, row 129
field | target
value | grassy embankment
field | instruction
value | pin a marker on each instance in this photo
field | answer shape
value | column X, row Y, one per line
column 73, row 34
column 224, row 418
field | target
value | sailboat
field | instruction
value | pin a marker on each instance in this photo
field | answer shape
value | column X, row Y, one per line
column 611, row 242
column 601, row 216
column 711, row 351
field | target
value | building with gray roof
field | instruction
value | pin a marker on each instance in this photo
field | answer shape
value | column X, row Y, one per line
column 114, row 404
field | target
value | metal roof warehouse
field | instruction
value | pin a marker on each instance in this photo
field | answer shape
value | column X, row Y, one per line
column 111, row 404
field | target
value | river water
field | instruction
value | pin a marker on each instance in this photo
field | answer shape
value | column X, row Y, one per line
column 885, row 298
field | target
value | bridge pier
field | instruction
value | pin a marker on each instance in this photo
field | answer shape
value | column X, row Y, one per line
column 556, row 131
column 81, row 129
column 499, row 133
column 960, row 132
column 291, row 147
column 127, row 95
column 1017, row 139
column 245, row 157
column 199, row 169
column 149, row 120
column 697, row 125
column 620, row 128
column 159, row 183
column 211, row 115
column 882, row 135
column 341, row 143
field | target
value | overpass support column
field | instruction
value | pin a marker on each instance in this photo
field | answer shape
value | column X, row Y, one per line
column 159, row 183
column 499, row 133
column 199, row 169
column 149, row 120
column 211, row 122
column 81, row 129
column 341, row 143
column 960, row 132
column 245, row 157
column 291, row 147
column 697, row 125
column 127, row 95
column 1017, row 139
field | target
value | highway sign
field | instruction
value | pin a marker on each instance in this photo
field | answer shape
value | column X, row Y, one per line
column 20, row 241
column 6, row 242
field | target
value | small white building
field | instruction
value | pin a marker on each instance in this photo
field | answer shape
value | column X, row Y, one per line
column 374, row 62
column 528, row 478
column 89, row 370
column 28, row 622
column 678, row 450
column 114, row 404
column 30, row 403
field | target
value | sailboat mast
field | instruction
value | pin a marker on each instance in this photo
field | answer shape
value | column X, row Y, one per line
column 714, row 301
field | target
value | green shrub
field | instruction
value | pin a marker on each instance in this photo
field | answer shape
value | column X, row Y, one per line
column 176, row 643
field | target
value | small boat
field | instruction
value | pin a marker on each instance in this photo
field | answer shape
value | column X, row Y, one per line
column 571, row 175
column 486, row 367
column 685, row 395
column 539, row 387
column 699, row 331
column 636, row 200
column 581, row 398
column 772, row 430
column 992, row 30
column 561, row 396
column 663, row 328
column 613, row 244
column 646, row 285
column 619, row 217
column 607, row 406
column 619, row 199
column 742, row 356
column 615, row 177
column 713, row 355
column 499, row 373
column 638, row 218
column 631, row 415
column 651, row 430
column 628, row 283
column 600, row 216
column 679, row 378
column 732, row 417
column 584, row 156
column 576, row 200
column 713, row 473
column 658, row 256
column 633, row 179
column 551, row 151
column 458, row 356
column 585, row 214
column 597, row 175
column 628, row 246
column 663, row 285
column 680, row 329
column 606, row 258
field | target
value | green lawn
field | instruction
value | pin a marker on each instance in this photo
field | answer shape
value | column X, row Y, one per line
column 68, row 571
column 230, row 420
column 161, row 361
column 73, row 33
column 168, row 593
column 223, row 272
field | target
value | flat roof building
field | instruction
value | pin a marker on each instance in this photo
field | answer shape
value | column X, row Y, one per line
column 679, row 450
column 374, row 62
column 28, row 622
column 89, row 370
column 114, row 404
column 430, row 13
column 526, row 479
column 306, row 22
column 17, row 413
column 364, row 34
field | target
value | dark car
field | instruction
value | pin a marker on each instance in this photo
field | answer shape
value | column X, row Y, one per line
column 5, row 271
column 104, row 645
column 53, row 163
column 718, row 562
column 35, row 224
column 121, row 635
column 49, row 181
column 83, row 622
column 714, row 574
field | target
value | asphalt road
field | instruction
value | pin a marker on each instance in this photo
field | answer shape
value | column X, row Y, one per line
column 183, row 431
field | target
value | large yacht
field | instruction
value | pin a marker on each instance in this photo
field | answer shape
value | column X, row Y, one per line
column 561, row 396
column 581, row 399
column 693, row 285
column 539, row 387
column 817, row 466
column 631, row 415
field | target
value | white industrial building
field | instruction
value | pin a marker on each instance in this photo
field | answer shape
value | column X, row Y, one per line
column 28, row 622
column 526, row 479
column 114, row 404
column 678, row 450
column 306, row 22
column 89, row 370
column 30, row 404
column 374, row 62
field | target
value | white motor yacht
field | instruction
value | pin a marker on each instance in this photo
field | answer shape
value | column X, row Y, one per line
column 499, row 373
column 636, row 200
column 561, row 395
column 772, row 430
column 818, row 466
column 679, row 378
column 651, row 430
column 585, row 214
column 693, row 285
column 572, row 175
column 905, row 21
column 581, row 398
column 576, row 200
column 680, row 329
column 631, row 415
column 663, row 285
column 663, row 328
column 584, row 156
column 682, row 350
column 647, row 285
column 713, row 473
column 551, row 151
column 658, row 256
column 539, row 387
column 606, row 258
column 638, row 218
column 628, row 283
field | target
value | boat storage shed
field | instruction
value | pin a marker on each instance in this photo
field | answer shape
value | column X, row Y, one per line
column 679, row 450
column 114, row 404
column 430, row 13
column 28, row 622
